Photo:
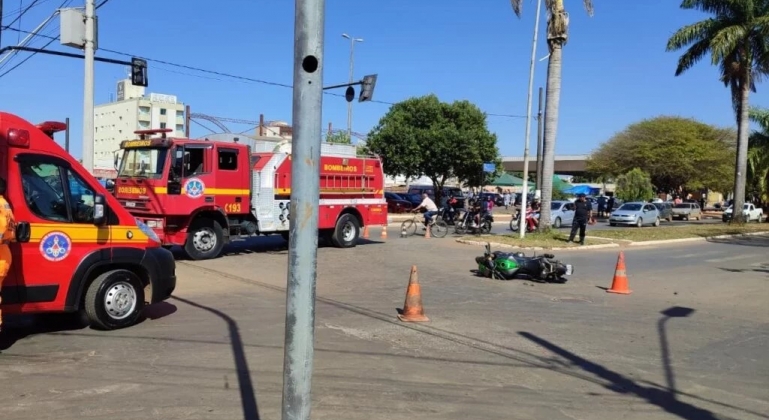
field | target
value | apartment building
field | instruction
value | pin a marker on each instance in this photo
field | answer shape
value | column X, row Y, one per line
column 133, row 110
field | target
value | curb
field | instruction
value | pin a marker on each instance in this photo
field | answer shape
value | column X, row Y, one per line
column 696, row 239
column 538, row 248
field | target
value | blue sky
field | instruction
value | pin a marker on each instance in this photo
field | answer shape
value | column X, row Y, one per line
column 616, row 70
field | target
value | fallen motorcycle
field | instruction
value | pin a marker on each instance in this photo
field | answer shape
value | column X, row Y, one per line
column 509, row 265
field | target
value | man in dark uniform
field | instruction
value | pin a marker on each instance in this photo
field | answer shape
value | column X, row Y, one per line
column 583, row 212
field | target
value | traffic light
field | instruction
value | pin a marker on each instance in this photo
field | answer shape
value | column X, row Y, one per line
column 138, row 72
column 367, row 88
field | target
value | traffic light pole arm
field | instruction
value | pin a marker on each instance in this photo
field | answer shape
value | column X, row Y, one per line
column 64, row 54
column 343, row 85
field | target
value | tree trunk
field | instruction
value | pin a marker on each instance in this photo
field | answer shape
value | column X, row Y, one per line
column 551, row 129
column 743, row 136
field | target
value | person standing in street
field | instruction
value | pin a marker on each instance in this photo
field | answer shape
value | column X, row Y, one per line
column 8, row 231
column 583, row 212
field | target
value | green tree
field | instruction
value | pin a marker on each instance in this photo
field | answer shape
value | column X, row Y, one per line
column 680, row 154
column 557, row 35
column 426, row 137
column 758, row 156
column 735, row 36
column 635, row 185
column 338, row 137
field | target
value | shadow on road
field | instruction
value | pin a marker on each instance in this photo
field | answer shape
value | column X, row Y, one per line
column 247, row 391
column 272, row 244
column 757, row 240
column 662, row 398
column 656, row 394
column 19, row 327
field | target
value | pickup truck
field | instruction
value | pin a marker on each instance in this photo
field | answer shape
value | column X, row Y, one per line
column 750, row 211
column 687, row 211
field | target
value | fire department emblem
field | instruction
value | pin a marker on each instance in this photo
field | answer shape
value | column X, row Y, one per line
column 55, row 246
column 194, row 187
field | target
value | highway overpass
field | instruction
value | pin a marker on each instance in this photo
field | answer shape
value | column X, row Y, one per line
column 564, row 164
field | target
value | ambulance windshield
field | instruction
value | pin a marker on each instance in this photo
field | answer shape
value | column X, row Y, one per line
column 143, row 163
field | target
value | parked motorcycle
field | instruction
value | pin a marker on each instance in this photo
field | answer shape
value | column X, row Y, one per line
column 509, row 265
column 467, row 221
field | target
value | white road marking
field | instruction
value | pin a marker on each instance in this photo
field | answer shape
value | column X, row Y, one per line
column 736, row 257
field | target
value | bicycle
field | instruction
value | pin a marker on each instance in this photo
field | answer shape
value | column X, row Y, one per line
column 438, row 228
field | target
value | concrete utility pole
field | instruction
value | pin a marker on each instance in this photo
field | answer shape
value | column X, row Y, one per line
column 305, row 190
column 353, row 40
column 88, row 119
column 539, row 141
column 524, row 195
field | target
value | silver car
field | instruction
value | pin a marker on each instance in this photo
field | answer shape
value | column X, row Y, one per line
column 561, row 213
column 635, row 214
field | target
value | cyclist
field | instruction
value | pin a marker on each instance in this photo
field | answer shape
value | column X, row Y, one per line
column 429, row 205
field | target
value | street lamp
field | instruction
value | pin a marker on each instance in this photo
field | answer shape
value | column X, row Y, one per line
column 524, row 194
column 353, row 40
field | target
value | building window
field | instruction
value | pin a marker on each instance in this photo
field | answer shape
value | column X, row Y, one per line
column 228, row 160
column 179, row 127
column 162, row 111
column 179, row 114
column 162, row 125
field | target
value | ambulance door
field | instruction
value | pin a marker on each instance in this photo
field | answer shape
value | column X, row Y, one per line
column 58, row 205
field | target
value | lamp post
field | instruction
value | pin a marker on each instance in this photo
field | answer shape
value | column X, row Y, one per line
column 353, row 40
column 524, row 195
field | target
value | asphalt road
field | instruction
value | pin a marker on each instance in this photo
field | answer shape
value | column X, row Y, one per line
column 688, row 343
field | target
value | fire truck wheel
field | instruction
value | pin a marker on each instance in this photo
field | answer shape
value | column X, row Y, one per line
column 114, row 300
column 347, row 232
column 205, row 240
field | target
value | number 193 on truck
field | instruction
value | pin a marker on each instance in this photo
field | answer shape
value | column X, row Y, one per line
column 201, row 194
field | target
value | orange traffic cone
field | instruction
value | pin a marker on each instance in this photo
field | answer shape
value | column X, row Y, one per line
column 412, row 308
column 384, row 232
column 620, row 283
column 427, row 232
column 365, row 232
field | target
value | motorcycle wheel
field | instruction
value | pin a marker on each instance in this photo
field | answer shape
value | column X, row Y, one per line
column 514, row 225
column 485, row 228
column 460, row 228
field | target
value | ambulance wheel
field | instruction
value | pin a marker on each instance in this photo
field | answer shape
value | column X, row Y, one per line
column 114, row 300
column 205, row 240
column 347, row 232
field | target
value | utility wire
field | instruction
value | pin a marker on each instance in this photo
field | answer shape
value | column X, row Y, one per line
column 31, row 5
column 9, row 14
column 24, row 60
column 232, row 76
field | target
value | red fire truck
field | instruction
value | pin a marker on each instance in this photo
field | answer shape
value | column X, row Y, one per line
column 201, row 194
column 76, row 247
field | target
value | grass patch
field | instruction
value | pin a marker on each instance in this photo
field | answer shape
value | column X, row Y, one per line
column 545, row 240
column 664, row 233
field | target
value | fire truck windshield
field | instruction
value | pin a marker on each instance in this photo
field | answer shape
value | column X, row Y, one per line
column 143, row 162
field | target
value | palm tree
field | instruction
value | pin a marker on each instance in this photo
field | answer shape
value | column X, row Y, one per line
column 758, row 154
column 736, row 39
column 557, row 35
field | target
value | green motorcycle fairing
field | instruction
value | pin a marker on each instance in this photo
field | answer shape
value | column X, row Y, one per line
column 502, row 265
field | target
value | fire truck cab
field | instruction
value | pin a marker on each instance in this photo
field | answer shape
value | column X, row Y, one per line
column 201, row 194
column 76, row 247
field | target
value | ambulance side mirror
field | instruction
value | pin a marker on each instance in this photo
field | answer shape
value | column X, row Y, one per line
column 23, row 232
column 98, row 210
